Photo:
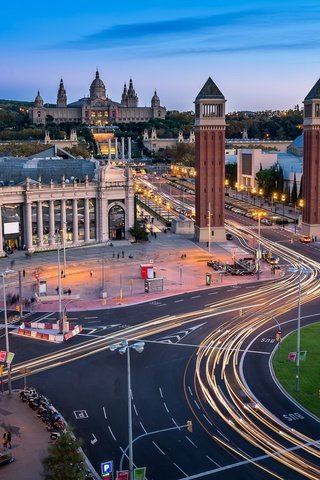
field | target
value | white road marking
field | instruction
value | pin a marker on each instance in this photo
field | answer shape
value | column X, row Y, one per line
column 209, row 458
column 191, row 441
column 212, row 293
column 145, row 431
column 111, row 433
column 135, row 409
column 175, row 423
column 94, row 440
column 226, row 438
column 245, row 453
column 198, row 407
column 184, row 473
column 165, row 406
column 190, row 391
column 178, row 301
column 207, row 419
column 161, row 395
column 196, row 296
column 154, row 443
column 104, row 412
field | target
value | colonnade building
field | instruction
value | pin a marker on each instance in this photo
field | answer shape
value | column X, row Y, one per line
column 40, row 206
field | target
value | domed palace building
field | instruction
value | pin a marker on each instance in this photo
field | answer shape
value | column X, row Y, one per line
column 96, row 110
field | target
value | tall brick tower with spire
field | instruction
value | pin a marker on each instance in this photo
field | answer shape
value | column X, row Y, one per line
column 311, row 163
column 210, row 163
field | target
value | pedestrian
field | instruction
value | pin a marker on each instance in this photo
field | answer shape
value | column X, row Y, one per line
column 122, row 253
column 9, row 439
column 118, row 255
column 23, row 273
column 4, row 440
column 91, row 273
column 69, row 291
column 155, row 235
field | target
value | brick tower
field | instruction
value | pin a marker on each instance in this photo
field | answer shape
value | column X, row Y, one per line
column 210, row 163
column 311, row 163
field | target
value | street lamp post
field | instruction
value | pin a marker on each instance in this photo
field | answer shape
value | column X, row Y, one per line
column 123, row 348
column 259, row 244
column 3, row 274
column 64, row 233
column 283, row 199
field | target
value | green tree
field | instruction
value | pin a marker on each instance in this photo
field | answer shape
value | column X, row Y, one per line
column 139, row 232
column 65, row 460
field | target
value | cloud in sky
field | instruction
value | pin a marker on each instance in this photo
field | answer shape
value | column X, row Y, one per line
column 247, row 47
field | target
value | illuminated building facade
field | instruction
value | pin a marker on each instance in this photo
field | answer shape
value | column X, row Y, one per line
column 96, row 110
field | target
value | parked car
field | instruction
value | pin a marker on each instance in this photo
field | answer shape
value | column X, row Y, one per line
column 306, row 239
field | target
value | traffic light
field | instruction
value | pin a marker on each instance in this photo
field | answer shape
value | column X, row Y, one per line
column 189, row 426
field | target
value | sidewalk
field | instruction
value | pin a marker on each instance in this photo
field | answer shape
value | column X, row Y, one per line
column 116, row 271
column 30, row 439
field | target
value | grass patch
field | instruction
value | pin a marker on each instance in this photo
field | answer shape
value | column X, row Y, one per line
column 309, row 392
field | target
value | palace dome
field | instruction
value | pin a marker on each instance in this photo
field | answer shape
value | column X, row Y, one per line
column 97, row 88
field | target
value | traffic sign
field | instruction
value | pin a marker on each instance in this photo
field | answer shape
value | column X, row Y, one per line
column 3, row 356
column 139, row 473
column 106, row 469
column 123, row 475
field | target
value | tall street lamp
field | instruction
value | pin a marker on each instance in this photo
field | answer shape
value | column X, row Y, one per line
column 301, row 270
column 3, row 274
column 283, row 199
column 260, row 214
column 124, row 347
column 300, row 205
column 64, row 234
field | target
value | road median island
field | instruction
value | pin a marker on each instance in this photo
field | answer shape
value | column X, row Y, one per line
column 284, row 365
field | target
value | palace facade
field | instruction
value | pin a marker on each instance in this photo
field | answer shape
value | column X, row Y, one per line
column 96, row 110
column 47, row 201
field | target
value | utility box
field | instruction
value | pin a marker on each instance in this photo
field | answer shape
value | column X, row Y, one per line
column 147, row 270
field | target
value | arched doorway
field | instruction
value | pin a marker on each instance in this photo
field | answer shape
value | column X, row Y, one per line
column 116, row 223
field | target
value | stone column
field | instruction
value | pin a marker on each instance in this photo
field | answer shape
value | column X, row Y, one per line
column 109, row 149
column 39, row 224
column 28, row 226
column 51, row 222
column 63, row 215
column 75, row 220
column 129, row 148
column 86, row 221
column 122, row 148
column 116, row 147
column 1, row 235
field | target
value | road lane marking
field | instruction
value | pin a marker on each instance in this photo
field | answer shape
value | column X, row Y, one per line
column 175, row 423
column 145, row 431
column 207, row 419
column 226, row 438
column 196, row 296
column 198, row 407
column 209, row 458
column 191, row 441
column 182, row 471
column 104, row 412
column 178, row 301
column 111, row 433
column 135, row 410
column 161, row 395
column 212, row 293
column 94, row 440
column 154, row 443
column 190, row 391
column 165, row 406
